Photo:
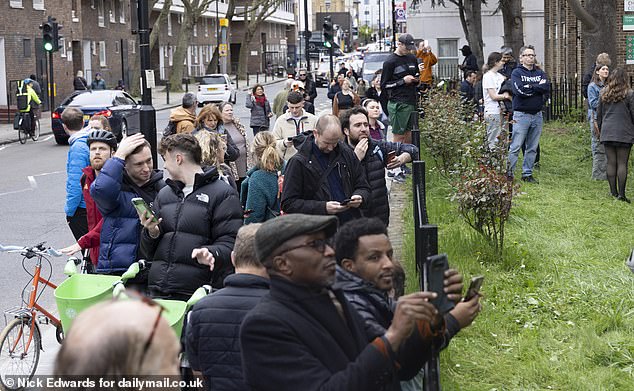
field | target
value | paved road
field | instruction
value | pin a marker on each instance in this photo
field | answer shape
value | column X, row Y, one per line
column 32, row 192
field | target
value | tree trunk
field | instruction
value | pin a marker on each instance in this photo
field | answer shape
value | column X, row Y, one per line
column 212, row 67
column 598, row 20
column 156, row 27
column 243, row 60
column 473, row 21
column 135, row 85
column 182, row 43
column 513, row 25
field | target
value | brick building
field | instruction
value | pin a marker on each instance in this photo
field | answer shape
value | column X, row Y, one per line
column 97, row 37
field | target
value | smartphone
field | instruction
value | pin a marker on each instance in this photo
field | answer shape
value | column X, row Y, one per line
column 346, row 201
column 143, row 207
column 437, row 265
column 474, row 287
column 391, row 156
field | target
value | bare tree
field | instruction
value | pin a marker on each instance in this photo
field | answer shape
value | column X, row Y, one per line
column 193, row 11
column 254, row 16
column 513, row 23
column 212, row 67
column 598, row 19
column 470, row 12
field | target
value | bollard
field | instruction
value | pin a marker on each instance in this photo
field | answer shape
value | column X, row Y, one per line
column 187, row 85
column 257, row 77
column 266, row 74
column 248, row 79
column 167, row 95
column 237, row 80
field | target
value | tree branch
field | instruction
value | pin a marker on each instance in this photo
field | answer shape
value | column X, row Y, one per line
column 584, row 16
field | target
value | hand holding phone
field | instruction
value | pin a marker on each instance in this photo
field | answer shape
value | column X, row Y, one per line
column 474, row 288
column 346, row 201
column 436, row 266
column 390, row 156
column 143, row 208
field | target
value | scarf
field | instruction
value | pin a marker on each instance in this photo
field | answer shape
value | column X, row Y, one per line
column 260, row 99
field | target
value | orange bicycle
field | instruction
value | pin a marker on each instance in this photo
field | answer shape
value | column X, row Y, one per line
column 21, row 339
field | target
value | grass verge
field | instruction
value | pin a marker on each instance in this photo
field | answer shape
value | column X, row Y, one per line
column 558, row 311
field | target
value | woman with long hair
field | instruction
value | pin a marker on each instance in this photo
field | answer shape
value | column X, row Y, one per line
column 260, row 109
column 213, row 155
column 345, row 99
column 236, row 131
column 377, row 128
column 615, row 117
column 601, row 73
column 260, row 191
column 209, row 120
column 491, row 83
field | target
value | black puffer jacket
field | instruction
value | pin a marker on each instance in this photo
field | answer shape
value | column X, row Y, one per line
column 304, row 189
column 374, row 164
column 208, row 217
column 212, row 343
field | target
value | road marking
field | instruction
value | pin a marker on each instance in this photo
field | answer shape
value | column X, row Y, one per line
column 32, row 182
column 49, row 173
column 15, row 192
column 48, row 138
column 3, row 147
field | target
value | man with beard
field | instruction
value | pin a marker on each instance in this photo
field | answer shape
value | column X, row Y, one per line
column 375, row 158
column 127, row 175
column 305, row 335
column 365, row 274
column 102, row 144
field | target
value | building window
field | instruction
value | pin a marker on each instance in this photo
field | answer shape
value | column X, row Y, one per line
column 38, row 5
column 195, row 30
column 93, row 47
column 111, row 12
column 169, row 24
column 101, row 13
column 132, row 46
column 73, row 11
column 102, row 53
column 26, row 47
column 206, row 27
column 15, row 3
column 122, row 7
column 116, row 46
column 62, row 47
column 171, row 56
column 180, row 18
column 447, row 58
column 195, row 53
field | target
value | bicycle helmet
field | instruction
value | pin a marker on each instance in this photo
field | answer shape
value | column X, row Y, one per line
column 103, row 136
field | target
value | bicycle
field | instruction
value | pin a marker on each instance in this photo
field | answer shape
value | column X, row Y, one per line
column 21, row 339
column 24, row 134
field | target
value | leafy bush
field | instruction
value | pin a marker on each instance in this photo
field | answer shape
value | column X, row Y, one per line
column 477, row 174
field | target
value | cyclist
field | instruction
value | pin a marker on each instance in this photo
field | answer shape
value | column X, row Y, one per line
column 26, row 88
column 102, row 145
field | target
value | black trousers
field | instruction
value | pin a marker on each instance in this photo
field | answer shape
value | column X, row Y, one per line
column 78, row 223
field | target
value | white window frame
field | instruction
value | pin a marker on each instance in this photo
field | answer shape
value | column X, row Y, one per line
column 102, row 54
column 15, row 4
column 38, row 5
column 171, row 56
column 62, row 46
column 169, row 24
column 122, row 8
column 117, row 43
column 112, row 12
column 93, row 46
column 131, row 46
column 101, row 13
column 195, row 54
column 206, row 23
column 195, row 30
column 442, row 60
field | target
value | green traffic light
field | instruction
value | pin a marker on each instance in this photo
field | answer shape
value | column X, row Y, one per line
column 327, row 44
column 48, row 46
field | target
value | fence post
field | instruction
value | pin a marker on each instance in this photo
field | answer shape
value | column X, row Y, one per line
column 248, row 79
column 187, row 84
column 237, row 81
column 257, row 77
column 167, row 90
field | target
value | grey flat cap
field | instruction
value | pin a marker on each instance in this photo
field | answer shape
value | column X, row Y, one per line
column 275, row 232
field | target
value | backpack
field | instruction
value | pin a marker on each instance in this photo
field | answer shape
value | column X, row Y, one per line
column 22, row 96
column 170, row 129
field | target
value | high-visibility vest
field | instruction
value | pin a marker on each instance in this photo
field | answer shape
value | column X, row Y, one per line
column 22, row 95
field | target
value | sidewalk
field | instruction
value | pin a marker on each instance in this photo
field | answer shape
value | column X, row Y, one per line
column 159, row 99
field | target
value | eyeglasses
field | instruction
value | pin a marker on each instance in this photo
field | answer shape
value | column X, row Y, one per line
column 318, row 245
column 528, row 55
column 146, row 300
column 302, row 74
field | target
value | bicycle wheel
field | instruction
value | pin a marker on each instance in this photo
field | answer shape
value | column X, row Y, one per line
column 36, row 133
column 22, row 136
column 16, row 360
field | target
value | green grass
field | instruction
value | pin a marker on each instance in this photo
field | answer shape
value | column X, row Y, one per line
column 558, row 311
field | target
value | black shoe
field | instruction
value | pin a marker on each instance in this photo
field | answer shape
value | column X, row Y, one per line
column 406, row 170
column 624, row 199
column 529, row 179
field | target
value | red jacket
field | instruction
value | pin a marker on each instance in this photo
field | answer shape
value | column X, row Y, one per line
column 91, row 239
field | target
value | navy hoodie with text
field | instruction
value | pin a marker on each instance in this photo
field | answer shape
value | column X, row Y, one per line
column 529, row 88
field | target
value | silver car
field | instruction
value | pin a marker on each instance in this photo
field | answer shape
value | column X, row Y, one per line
column 216, row 87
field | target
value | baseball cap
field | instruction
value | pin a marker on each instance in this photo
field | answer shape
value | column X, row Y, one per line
column 407, row 40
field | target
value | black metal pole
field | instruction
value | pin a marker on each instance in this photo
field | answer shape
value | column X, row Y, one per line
column 51, row 81
column 218, row 36
column 393, row 26
column 332, row 65
column 306, row 36
column 147, row 114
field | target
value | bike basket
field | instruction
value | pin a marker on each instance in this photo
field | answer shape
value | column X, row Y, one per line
column 79, row 292
column 174, row 313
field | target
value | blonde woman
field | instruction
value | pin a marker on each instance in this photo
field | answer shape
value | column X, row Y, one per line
column 209, row 120
column 260, row 191
column 213, row 155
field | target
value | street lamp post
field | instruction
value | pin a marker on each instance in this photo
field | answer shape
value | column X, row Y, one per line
column 147, row 114
column 393, row 25
column 306, row 36
column 218, row 38
column 380, row 31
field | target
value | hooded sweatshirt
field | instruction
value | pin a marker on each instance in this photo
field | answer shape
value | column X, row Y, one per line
column 184, row 120
column 78, row 158
column 529, row 88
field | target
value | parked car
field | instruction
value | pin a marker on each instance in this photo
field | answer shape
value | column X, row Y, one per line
column 372, row 62
column 216, row 87
column 322, row 74
column 118, row 106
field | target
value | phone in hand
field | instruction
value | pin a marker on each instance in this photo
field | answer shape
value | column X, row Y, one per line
column 143, row 208
column 390, row 156
column 346, row 201
column 474, row 287
column 437, row 265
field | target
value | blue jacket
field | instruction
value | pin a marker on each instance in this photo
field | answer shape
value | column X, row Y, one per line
column 78, row 158
column 113, row 191
column 594, row 93
column 212, row 343
column 528, row 93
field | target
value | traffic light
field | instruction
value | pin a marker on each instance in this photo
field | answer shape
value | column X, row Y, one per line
column 50, row 35
column 328, row 32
